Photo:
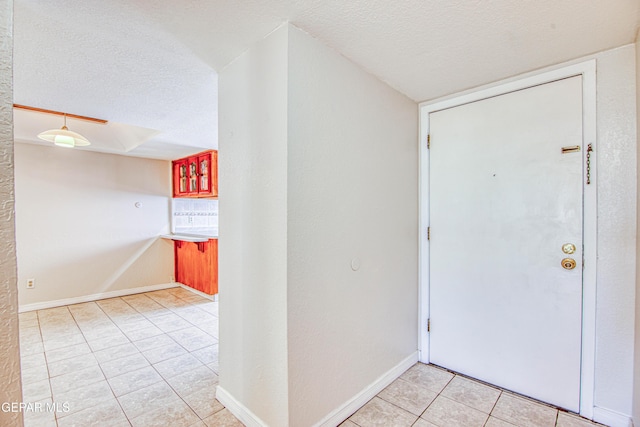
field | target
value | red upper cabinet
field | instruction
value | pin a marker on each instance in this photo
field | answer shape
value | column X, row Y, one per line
column 196, row 176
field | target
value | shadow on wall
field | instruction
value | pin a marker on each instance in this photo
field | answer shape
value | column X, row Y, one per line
column 92, row 272
column 88, row 223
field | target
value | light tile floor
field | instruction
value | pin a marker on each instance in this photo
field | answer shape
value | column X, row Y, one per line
column 152, row 360
column 428, row 396
column 141, row 360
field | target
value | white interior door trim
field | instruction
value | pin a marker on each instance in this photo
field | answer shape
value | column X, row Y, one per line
column 588, row 71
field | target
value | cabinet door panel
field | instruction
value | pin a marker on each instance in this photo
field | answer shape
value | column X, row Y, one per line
column 180, row 178
column 197, row 268
column 204, row 179
column 192, row 166
column 214, row 173
column 210, row 286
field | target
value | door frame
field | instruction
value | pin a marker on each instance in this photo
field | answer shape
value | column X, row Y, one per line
column 587, row 70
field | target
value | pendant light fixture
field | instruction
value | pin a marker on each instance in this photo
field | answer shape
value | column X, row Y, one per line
column 63, row 137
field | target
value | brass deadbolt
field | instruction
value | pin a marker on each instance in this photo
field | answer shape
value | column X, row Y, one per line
column 568, row 263
column 568, row 248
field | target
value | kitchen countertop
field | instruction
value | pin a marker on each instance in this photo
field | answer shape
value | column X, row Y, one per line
column 188, row 237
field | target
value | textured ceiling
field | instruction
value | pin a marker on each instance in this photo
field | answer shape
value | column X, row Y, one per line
column 152, row 64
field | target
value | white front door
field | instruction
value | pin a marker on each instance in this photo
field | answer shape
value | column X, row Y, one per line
column 504, row 202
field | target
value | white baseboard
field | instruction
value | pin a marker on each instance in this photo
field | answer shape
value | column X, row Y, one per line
column 611, row 418
column 240, row 411
column 197, row 292
column 356, row 402
column 335, row 417
column 93, row 297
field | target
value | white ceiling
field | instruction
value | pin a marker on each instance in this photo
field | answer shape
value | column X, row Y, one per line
column 152, row 64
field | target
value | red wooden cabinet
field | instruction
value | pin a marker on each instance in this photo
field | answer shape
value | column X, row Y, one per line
column 197, row 265
column 196, row 176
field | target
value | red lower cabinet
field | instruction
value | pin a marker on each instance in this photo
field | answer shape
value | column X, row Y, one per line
column 197, row 265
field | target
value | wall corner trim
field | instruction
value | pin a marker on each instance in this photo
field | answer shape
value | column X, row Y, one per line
column 94, row 297
column 611, row 418
column 356, row 402
column 240, row 411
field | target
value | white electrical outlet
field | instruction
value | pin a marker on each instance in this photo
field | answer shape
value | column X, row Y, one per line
column 31, row 283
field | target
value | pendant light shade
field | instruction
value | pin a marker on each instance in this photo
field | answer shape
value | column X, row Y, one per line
column 64, row 137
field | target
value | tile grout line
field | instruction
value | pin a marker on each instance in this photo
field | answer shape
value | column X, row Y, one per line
column 148, row 361
column 188, row 352
column 111, row 317
column 186, row 403
column 438, row 394
column 494, row 407
column 105, row 376
column 152, row 365
column 488, row 414
column 391, row 403
column 47, row 362
column 93, row 352
column 177, row 313
column 44, row 354
column 181, row 329
column 99, row 366
column 513, row 394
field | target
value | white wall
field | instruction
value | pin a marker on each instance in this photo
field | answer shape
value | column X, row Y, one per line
column 11, row 389
column 617, row 162
column 329, row 212
column 352, row 193
column 636, row 387
column 78, row 231
column 318, row 165
column 252, row 275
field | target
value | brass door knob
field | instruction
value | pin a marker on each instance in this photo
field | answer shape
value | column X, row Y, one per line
column 568, row 263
